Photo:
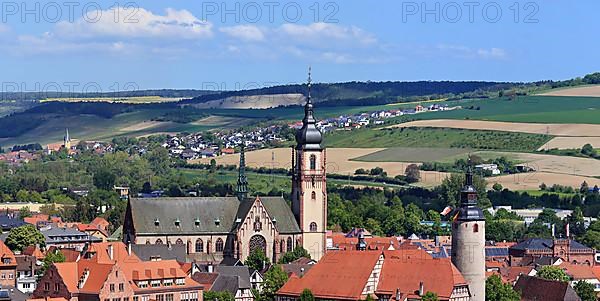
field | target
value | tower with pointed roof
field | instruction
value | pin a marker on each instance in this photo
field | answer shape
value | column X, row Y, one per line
column 309, row 189
column 468, row 240
column 242, row 182
column 67, row 139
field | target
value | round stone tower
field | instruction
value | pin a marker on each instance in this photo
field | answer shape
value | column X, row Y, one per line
column 468, row 240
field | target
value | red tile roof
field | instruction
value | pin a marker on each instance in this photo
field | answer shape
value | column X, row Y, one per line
column 34, row 251
column 100, row 253
column 338, row 275
column 578, row 271
column 344, row 274
column 6, row 253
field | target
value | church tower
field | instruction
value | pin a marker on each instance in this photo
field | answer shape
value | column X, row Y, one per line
column 67, row 140
column 468, row 240
column 309, row 189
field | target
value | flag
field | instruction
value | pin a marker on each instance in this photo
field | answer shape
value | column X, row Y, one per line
column 446, row 210
column 455, row 216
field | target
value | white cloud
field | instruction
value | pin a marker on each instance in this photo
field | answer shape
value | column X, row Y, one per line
column 244, row 32
column 494, row 53
column 461, row 51
column 328, row 33
column 136, row 23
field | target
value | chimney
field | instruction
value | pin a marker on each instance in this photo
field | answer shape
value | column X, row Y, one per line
column 210, row 268
column 421, row 289
column 110, row 252
column 301, row 272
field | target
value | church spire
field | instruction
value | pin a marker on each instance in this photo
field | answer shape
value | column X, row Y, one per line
column 309, row 137
column 468, row 198
column 242, row 182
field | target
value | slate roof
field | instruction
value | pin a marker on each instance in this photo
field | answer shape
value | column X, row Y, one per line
column 544, row 244
column 534, row 288
column 242, row 274
column 67, row 235
column 205, row 210
column 187, row 210
column 146, row 252
column 7, row 222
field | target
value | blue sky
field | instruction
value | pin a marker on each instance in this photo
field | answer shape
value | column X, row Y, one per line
column 232, row 45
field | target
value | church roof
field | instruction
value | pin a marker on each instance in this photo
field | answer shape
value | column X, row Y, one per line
column 200, row 214
column 277, row 208
column 195, row 215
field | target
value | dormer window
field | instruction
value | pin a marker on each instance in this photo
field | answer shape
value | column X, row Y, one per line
column 217, row 221
column 197, row 222
column 177, row 223
column 156, row 222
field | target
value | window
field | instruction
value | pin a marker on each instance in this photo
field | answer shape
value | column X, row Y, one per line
column 10, row 276
column 121, row 287
column 282, row 246
column 159, row 242
column 199, row 246
column 46, row 286
column 26, row 285
column 136, row 298
column 6, row 260
column 313, row 162
column 155, row 283
column 56, row 287
column 168, row 282
column 112, row 287
column 160, row 297
column 147, row 241
column 179, row 241
column 289, row 244
column 476, row 228
column 142, row 284
column 313, row 227
column 169, row 297
column 180, row 281
column 313, row 196
column 3, row 276
column 219, row 245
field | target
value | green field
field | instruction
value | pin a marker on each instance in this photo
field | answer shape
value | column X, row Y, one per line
column 546, row 109
column 134, row 100
column 414, row 154
column 264, row 183
column 436, row 138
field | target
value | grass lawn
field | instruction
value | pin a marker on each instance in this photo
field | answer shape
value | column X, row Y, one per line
column 441, row 138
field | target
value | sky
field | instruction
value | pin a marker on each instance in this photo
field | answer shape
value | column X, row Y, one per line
column 226, row 45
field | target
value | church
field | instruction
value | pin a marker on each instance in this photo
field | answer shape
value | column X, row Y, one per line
column 214, row 229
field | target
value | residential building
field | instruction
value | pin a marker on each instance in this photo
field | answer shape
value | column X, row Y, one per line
column 68, row 238
column 8, row 266
column 534, row 288
column 26, row 268
column 108, row 271
column 384, row 275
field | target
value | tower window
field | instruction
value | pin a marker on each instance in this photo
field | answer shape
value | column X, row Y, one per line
column 475, row 228
column 289, row 244
column 313, row 196
column 313, row 227
column 313, row 162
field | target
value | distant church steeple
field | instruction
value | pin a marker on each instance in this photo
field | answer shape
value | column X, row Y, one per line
column 67, row 139
column 468, row 239
column 242, row 182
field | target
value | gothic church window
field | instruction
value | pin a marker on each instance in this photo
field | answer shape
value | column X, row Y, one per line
column 313, row 227
column 289, row 244
column 159, row 242
column 475, row 228
column 313, row 196
column 313, row 162
column 219, row 245
column 199, row 245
